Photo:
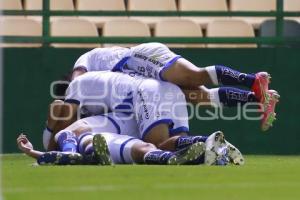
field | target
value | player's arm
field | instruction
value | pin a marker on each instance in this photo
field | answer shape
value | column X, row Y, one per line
column 82, row 65
column 78, row 71
column 66, row 116
column 64, row 113
column 26, row 147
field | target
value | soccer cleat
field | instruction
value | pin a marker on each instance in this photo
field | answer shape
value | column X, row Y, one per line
column 101, row 151
column 188, row 154
column 269, row 115
column 214, row 143
column 260, row 88
column 60, row 158
column 222, row 159
column 235, row 156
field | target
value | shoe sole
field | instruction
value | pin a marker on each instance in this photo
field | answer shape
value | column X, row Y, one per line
column 264, row 94
column 271, row 115
column 232, row 150
column 74, row 159
column 60, row 158
column 211, row 154
column 101, row 150
column 192, row 153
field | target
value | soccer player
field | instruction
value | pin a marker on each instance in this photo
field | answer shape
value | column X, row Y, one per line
column 157, row 61
column 113, row 146
column 159, row 107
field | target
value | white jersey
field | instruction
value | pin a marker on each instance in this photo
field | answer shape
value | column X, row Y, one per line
column 101, row 59
column 101, row 92
column 148, row 59
column 150, row 101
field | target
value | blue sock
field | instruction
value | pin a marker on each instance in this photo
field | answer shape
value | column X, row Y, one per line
column 185, row 141
column 88, row 154
column 157, row 157
column 89, row 149
column 228, row 76
column 231, row 97
column 86, row 148
column 67, row 142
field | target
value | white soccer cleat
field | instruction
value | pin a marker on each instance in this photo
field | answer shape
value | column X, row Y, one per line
column 214, row 143
column 235, row 155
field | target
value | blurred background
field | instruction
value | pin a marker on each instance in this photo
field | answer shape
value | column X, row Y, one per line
column 42, row 39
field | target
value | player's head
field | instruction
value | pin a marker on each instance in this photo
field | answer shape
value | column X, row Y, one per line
column 61, row 86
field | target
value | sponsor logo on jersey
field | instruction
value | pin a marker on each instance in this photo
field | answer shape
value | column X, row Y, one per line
column 144, row 106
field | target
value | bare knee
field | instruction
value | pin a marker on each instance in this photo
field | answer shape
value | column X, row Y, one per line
column 140, row 149
column 145, row 147
column 158, row 134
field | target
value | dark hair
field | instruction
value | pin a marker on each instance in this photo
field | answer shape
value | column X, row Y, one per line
column 61, row 87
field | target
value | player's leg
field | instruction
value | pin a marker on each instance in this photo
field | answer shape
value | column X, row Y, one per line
column 86, row 148
column 98, row 124
column 157, row 134
column 181, row 141
column 68, row 144
column 158, row 61
column 216, row 75
column 257, row 83
column 219, row 97
column 231, row 97
column 60, row 116
column 67, row 154
column 218, row 150
column 127, row 150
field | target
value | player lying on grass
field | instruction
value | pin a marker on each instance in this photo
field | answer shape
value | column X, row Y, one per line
column 112, row 146
column 159, row 107
column 157, row 61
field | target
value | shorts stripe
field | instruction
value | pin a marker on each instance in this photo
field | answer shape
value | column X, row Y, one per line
column 74, row 101
column 119, row 66
column 113, row 122
column 181, row 129
column 167, row 66
column 162, row 121
column 122, row 149
column 80, row 147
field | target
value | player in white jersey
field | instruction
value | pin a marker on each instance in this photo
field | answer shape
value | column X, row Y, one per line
column 112, row 145
column 100, row 92
column 157, row 61
column 159, row 107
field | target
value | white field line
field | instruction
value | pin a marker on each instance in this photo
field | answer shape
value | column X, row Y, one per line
column 179, row 186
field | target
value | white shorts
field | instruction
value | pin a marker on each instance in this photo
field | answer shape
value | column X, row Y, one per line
column 120, row 147
column 160, row 102
column 149, row 60
column 117, row 123
column 115, row 127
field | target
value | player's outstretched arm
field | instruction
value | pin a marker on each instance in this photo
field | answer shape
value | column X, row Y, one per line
column 26, row 147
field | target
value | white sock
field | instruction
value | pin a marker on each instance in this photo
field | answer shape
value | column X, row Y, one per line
column 214, row 97
column 127, row 152
column 211, row 70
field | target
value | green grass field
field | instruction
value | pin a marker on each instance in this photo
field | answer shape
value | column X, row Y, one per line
column 263, row 177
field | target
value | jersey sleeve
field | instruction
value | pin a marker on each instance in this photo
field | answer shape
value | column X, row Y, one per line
column 84, row 62
column 72, row 93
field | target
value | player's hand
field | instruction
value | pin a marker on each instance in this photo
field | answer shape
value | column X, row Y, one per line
column 24, row 144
